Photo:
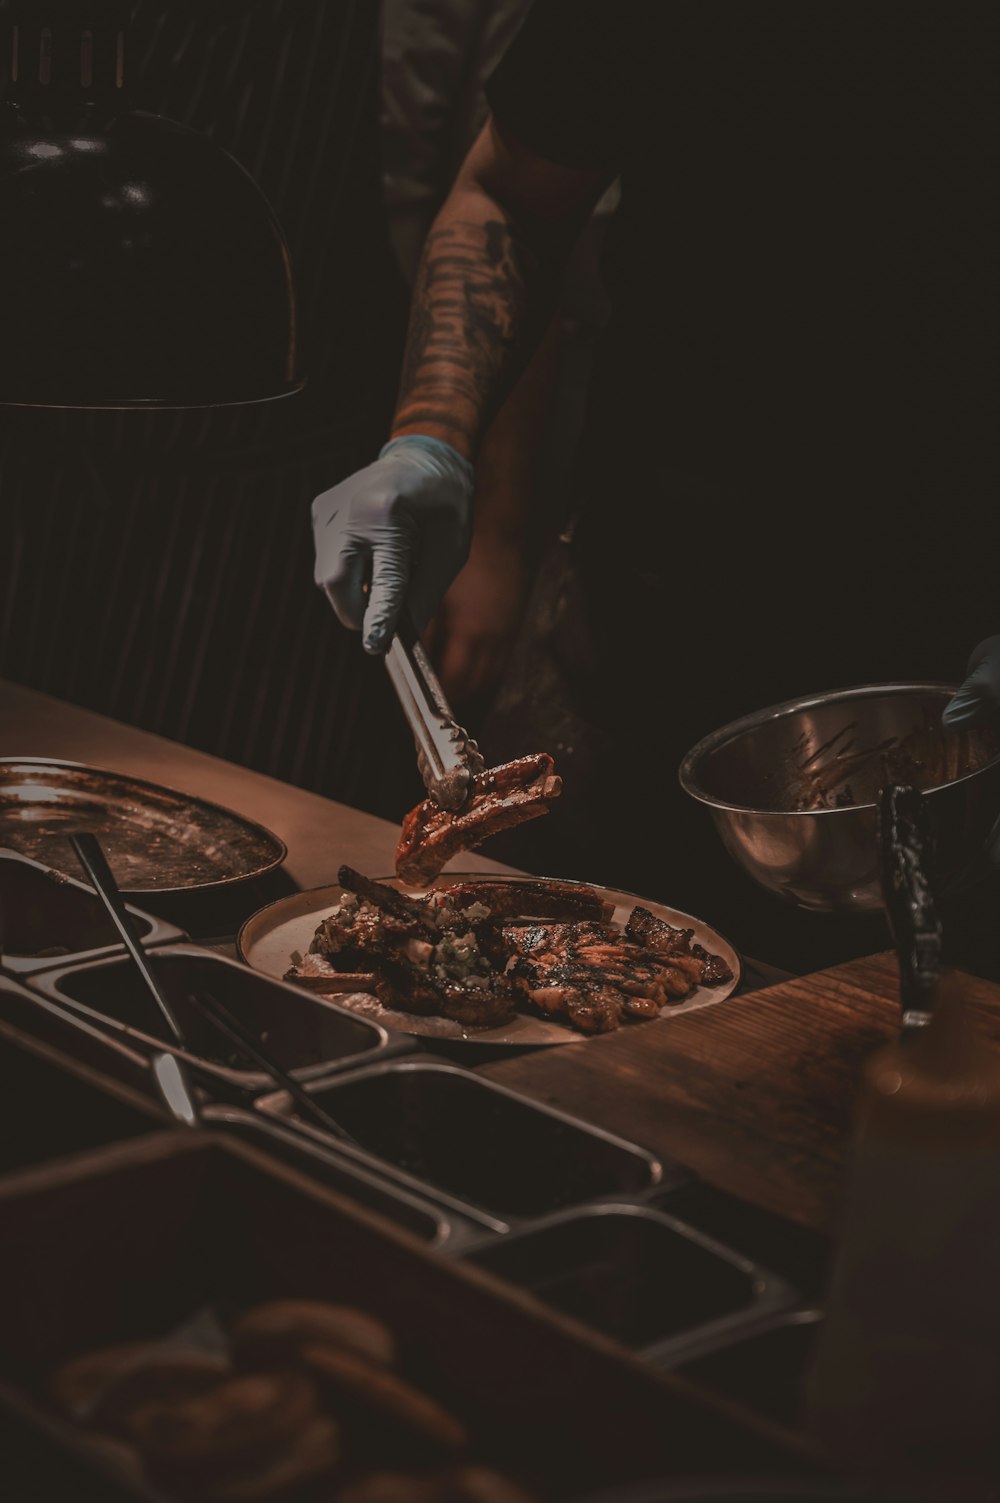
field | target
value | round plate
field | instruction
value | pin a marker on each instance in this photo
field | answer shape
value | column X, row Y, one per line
column 268, row 938
column 156, row 840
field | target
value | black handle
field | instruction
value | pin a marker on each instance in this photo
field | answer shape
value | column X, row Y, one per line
column 907, row 852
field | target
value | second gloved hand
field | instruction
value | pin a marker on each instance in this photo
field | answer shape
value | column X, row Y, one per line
column 978, row 700
column 402, row 527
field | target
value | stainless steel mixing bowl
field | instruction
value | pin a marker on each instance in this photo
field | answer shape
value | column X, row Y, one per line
column 759, row 775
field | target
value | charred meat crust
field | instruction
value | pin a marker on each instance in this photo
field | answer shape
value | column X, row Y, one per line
column 661, row 937
column 716, row 972
column 502, row 797
column 399, row 984
column 524, row 899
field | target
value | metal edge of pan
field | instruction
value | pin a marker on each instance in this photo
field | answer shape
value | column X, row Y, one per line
column 267, row 837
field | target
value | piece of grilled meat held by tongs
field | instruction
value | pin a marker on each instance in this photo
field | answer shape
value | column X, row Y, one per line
column 906, row 844
column 467, row 802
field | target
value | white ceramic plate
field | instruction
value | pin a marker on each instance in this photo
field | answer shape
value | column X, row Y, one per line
column 268, row 938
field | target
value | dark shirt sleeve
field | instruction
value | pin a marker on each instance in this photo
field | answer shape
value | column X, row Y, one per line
column 561, row 88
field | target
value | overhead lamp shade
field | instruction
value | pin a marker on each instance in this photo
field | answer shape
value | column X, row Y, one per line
column 140, row 265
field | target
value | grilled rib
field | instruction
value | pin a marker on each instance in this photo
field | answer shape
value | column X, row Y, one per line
column 522, row 898
column 503, row 797
column 396, row 905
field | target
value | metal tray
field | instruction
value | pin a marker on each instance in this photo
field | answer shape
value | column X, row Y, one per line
column 426, row 1221
column 40, row 1019
column 799, row 1254
column 268, row 937
column 52, row 920
column 659, row 1287
column 478, row 1148
column 766, row 1368
column 47, row 1112
column 307, row 1035
column 158, row 841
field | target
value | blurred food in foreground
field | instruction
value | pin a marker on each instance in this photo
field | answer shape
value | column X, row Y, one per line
column 297, row 1394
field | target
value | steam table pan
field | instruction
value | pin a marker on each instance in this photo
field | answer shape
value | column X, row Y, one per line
column 47, row 1111
column 426, row 1221
column 51, row 920
column 47, row 1108
column 474, row 1146
column 656, row 1285
column 765, row 1368
column 799, row 1254
column 64, row 1033
column 306, row 1035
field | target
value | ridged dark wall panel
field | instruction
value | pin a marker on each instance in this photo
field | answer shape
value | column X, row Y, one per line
column 159, row 568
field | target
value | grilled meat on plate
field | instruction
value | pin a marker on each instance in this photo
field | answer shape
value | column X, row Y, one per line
column 477, row 952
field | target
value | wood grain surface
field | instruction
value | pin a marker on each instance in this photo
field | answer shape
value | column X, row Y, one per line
column 756, row 1094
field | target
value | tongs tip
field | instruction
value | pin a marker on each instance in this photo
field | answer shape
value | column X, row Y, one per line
column 453, row 788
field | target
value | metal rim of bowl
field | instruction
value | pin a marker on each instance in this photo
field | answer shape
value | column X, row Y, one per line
column 737, row 728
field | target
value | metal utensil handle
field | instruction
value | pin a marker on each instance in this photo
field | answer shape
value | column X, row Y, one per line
column 422, row 699
column 430, row 684
column 224, row 1021
column 465, row 748
column 94, row 862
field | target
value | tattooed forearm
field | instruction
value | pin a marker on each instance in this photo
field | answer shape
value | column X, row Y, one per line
column 479, row 304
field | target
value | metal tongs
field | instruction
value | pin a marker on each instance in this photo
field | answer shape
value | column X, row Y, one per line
column 168, row 1072
column 447, row 756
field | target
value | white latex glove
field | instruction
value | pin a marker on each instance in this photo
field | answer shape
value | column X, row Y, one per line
column 400, row 527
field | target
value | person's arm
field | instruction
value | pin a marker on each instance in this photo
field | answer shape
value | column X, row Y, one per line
column 473, row 632
column 487, row 286
column 485, row 291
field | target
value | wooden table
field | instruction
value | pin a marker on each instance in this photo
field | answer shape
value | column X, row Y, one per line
column 754, row 1093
